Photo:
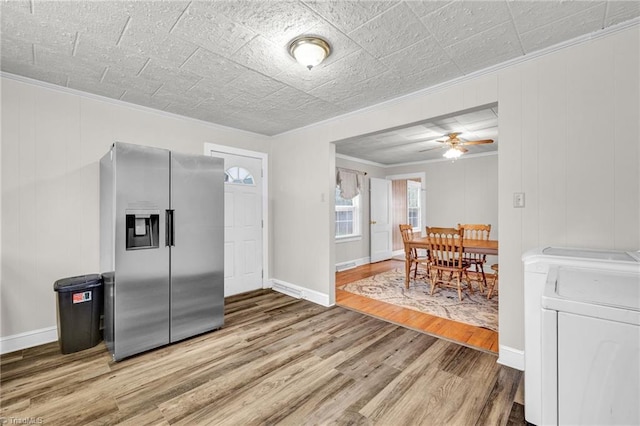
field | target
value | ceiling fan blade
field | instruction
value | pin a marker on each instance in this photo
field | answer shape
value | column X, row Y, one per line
column 427, row 140
column 431, row 149
column 480, row 142
column 463, row 149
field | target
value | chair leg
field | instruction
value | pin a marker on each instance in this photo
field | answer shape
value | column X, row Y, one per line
column 492, row 287
column 466, row 275
column 483, row 284
column 434, row 281
column 459, row 280
column 480, row 277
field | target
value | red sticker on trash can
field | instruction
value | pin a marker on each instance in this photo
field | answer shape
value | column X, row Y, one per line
column 81, row 297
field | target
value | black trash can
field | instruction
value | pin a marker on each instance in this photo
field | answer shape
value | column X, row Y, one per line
column 79, row 307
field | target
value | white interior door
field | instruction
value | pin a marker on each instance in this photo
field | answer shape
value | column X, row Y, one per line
column 380, row 216
column 242, row 223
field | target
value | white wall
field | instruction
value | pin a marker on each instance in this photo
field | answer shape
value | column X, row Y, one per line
column 51, row 143
column 569, row 139
column 302, row 191
column 462, row 191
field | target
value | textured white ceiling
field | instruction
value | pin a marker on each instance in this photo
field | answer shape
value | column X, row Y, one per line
column 227, row 62
column 418, row 142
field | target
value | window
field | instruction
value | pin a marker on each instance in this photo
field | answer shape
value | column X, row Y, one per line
column 238, row 175
column 413, row 204
column 347, row 216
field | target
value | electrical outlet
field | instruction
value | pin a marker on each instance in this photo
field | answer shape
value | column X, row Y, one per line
column 518, row 199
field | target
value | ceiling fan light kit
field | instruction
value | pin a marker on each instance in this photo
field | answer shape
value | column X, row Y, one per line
column 309, row 50
column 453, row 153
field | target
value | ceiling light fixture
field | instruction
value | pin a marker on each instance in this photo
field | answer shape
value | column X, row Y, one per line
column 453, row 153
column 309, row 50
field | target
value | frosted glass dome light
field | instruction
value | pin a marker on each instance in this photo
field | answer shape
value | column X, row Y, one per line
column 309, row 51
column 453, row 153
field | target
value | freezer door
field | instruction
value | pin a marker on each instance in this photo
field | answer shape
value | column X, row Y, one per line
column 141, row 281
column 197, row 253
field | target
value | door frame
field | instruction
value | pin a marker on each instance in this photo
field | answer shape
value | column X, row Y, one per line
column 423, row 194
column 210, row 149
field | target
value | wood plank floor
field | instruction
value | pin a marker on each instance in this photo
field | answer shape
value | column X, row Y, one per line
column 477, row 337
column 278, row 360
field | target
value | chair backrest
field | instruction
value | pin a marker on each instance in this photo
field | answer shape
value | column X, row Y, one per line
column 474, row 231
column 445, row 246
column 407, row 232
column 407, row 235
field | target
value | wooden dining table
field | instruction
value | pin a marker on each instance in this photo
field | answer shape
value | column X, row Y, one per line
column 488, row 247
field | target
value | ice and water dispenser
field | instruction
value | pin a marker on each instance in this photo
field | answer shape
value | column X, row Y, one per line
column 142, row 229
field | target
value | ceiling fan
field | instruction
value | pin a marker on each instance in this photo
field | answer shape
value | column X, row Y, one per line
column 456, row 145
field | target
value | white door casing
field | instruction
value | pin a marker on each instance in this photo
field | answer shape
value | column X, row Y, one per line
column 243, row 245
column 380, row 220
column 422, row 176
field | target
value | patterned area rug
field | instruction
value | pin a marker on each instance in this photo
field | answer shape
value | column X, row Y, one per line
column 388, row 287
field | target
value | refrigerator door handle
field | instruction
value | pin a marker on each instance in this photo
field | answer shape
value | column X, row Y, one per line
column 169, row 234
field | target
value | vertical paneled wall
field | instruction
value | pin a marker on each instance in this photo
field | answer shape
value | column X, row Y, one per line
column 463, row 191
column 570, row 140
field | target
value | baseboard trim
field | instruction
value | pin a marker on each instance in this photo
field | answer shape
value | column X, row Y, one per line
column 298, row 292
column 350, row 264
column 511, row 357
column 28, row 339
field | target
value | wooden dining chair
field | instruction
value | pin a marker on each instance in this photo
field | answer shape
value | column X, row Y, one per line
column 447, row 261
column 416, row 260
column 477, row 260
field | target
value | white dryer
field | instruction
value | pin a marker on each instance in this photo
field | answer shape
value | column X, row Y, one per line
column 541, row 268
column 591, row 347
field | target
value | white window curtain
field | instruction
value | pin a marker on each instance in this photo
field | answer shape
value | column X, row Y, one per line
column 350, row 182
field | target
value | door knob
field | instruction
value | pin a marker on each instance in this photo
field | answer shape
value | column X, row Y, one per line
column 373, row 222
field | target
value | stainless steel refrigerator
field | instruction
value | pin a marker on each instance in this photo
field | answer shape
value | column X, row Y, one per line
column 162, row 246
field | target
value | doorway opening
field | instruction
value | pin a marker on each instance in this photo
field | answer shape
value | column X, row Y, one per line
column 464, row 191
column 408, row 199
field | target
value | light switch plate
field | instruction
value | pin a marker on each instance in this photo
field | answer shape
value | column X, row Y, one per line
column 518, row 199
